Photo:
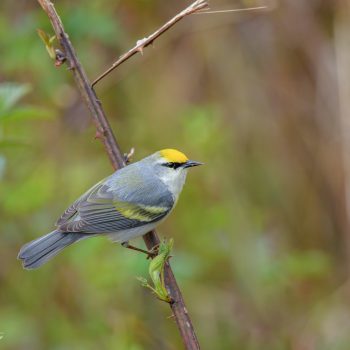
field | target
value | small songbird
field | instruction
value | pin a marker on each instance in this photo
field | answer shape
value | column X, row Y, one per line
column 125, row 205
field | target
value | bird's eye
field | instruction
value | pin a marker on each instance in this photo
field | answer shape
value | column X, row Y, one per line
column 172, row 165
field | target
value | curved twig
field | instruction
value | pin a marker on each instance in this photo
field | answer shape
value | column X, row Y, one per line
column 143, row 43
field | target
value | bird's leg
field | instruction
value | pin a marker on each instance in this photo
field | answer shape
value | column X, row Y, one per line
column 150, row 253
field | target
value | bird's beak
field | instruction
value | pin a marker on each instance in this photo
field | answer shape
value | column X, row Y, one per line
column 191, row 163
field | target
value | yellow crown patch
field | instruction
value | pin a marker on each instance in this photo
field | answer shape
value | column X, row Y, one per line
column 173, row 156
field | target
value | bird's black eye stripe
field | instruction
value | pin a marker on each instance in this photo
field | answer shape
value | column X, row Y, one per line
column 172, row 165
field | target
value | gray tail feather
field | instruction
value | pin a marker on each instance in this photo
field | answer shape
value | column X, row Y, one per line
column 38, row 252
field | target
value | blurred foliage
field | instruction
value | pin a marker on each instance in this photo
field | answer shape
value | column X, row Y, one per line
column 262, row 248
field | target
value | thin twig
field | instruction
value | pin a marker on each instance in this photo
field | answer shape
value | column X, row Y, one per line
column 143, row 43
column 104, row 132
column 232, row 10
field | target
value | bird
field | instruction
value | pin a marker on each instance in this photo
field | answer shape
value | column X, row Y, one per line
column 125, row 205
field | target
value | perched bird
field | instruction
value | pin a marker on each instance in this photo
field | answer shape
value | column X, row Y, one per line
column 125, row 205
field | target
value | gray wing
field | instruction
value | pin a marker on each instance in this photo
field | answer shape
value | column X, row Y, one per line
column 107, row 208
column 72, row 211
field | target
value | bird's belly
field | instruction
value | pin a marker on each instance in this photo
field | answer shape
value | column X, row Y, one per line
column 126, row 235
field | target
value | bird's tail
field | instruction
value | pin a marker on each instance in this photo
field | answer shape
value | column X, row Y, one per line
column 39, row 251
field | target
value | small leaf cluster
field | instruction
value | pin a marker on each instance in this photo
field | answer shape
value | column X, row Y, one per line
column 156, row 271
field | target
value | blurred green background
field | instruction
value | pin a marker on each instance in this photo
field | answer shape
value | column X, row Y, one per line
column 262, row 245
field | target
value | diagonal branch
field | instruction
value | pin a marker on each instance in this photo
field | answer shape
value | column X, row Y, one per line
column 143, row 43
column 104, row 132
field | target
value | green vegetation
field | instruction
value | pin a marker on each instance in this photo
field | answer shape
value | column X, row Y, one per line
column 156, row 272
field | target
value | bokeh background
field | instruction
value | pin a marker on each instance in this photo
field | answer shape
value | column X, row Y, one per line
column 262, row 245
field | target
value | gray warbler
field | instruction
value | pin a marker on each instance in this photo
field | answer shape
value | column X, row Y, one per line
column 127, row 204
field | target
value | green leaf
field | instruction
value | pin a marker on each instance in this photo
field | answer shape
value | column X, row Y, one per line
column 43, row 36
column 10, row 94
column 48, row 41
column 26, row 112
column 156, row 271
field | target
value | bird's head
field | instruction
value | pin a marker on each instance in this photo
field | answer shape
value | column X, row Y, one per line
column 175, row 160
column 171, row 167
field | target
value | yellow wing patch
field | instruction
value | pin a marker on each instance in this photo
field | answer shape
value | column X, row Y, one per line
column 173, row 155
column 139, row 212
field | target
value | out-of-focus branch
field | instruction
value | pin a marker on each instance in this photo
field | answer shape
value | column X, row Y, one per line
column 143, row 43
column 104, row 132
column 342, row 55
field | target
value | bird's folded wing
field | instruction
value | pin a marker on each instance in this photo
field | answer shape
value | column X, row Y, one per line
column 71, row 212
column 99, row 211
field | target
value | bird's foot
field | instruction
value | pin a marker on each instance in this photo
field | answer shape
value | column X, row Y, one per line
column 150, row 253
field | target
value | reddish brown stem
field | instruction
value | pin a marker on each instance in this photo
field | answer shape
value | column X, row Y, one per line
column 143, row 43
column 105, row 133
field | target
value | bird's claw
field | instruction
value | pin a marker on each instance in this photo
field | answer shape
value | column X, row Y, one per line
column 153, row 252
